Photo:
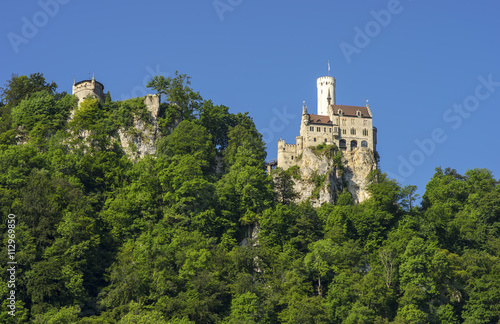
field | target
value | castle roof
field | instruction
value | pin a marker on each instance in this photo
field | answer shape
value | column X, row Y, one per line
column 352, row 111
column 89, row 81
column 319, row 119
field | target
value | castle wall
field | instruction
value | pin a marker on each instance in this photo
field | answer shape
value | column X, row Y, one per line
column 287, row 155
column 315, row 134
column 356, row 129
column 88, row 88
column 343, row 128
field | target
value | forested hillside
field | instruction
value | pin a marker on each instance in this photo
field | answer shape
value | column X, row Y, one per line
column 102, row 238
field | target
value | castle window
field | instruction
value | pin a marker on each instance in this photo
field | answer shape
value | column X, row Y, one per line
column 353, row 131
column 324, row 129
column 311, row 128
column 352, row 121
column 344, row 121
column 318, row 129
column 364, row 144
column 354, row 144
column 315, row 139
column 365, row 132
column 365, row 122
column 342, row 144
column 344, row 132
column 292, row 157
column 325, row 140
column 330, row 129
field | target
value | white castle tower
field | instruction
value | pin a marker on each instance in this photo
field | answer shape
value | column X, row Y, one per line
column 326, row 94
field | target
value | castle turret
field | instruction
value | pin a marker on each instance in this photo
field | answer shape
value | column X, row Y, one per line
column 86, row 88
column 326, row 94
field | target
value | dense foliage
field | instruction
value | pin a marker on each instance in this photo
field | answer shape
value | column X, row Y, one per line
column 167, row 239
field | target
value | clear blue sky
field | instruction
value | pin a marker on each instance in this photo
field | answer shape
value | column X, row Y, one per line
column 418, row 61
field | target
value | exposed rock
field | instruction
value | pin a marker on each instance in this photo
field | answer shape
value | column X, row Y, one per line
column 140, row 139
column 357, row 165
column 321, row 180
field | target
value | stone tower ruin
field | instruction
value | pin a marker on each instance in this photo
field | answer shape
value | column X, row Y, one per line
column 86, row 88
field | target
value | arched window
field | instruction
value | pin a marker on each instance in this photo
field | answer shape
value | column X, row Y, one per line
column 342, row 144
column 353, row 131
column 364, row 144
column 354, row 144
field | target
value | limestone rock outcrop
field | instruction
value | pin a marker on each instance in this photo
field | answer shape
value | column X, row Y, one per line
column 140, row 139
column 321, row 179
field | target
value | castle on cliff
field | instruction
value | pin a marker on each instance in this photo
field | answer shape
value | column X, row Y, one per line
column 350, row 128
column 137, row 140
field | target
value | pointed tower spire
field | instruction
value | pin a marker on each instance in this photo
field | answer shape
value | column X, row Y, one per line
column 304, row 108
column 93, row 76
column 74, row 81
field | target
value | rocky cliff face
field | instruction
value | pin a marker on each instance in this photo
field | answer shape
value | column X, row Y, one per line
column 137, row 137
column 140, row 139
column 357, row 166
column 320, row 177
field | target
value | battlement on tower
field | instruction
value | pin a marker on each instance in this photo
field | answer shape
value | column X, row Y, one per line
column 326, row 80
column 86, row 88
column 287, row 154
